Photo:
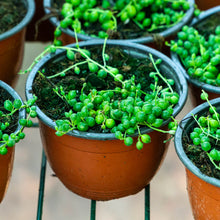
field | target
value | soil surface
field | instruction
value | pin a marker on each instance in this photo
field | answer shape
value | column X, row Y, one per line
column 54, row 107
column 11, row 13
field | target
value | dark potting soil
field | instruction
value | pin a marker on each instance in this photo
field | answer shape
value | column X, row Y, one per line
column 199, row 156
column 54, row 107
column 124, row 31
column 11, row 13
column 4, row 95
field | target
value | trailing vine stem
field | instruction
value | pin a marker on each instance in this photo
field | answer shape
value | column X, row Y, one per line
column 78, row 117
column 159, row 74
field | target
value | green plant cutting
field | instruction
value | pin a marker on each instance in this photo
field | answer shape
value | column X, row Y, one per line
column 149, row 16
column 200, row 56
column 8, row 112
column 206, row 134
column 122, row 109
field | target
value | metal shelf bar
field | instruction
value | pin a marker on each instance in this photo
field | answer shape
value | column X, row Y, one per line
column 93, row 210
column 93, row 202
column 41, row 187
column 147, row 202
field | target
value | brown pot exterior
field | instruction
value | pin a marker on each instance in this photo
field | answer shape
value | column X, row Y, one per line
column 102, row 170
column 204, row 198
column 6, row 165
column 206, row 4
column 11, row 57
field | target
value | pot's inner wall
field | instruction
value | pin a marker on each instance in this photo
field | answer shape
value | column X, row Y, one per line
column 208, row 24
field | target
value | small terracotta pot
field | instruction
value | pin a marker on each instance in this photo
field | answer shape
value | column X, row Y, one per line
column 12, row 47
column 204, row 4
column 96, row 165
column 155, row 41
column 44, row 30
column 203, row 191
column 6, row 161
column 195, row 85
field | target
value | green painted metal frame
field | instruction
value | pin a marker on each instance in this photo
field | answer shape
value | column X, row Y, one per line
column 93, row 202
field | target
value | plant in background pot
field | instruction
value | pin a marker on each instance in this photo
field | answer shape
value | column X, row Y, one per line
column 101, row 96
column 197, row 145
column 12, row 123
column 14, row 17
column 197, row 51
column 147, row 22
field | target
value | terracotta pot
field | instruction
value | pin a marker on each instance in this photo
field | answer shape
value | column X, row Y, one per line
column 45, row 29
column 204, row 4
column 96, row 165
column 203, row 191
column 6, row 161
column 12, row 47
column 195, row 85
column 155, row 41
column 102, row 169
column 6, row 166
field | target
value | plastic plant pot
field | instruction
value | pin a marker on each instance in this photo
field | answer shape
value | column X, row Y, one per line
column 45, row 29
column 6, row 161
column 195, row 85
column 155, row 41
column 97, row 165
column 12, row 47
column 204, row 5
column 203, row 191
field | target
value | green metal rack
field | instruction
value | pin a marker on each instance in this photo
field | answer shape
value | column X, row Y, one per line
column 93, row 202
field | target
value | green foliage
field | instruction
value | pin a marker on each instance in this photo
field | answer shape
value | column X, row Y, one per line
column 200, row 56
column 8, row 112
column 149, row 15
column 206, row 134
column 122, row 110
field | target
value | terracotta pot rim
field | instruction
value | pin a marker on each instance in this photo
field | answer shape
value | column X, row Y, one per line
column 149, row 39
column 175, row 57
column 187, row 121
column 109, row 136
column 15, row 95
column 23, row 23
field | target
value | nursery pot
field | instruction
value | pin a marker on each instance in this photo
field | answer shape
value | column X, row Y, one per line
column 195, row 85
column 204, row 4
column 203, row 191
column 39, row 29
column 12, row 47
column 97, row 165
column 6, row 161
column 153, row 40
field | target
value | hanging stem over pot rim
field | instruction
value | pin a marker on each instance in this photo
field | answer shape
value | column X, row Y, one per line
column 122, row 109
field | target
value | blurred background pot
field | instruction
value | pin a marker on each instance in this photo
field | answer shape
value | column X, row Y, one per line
column 201, row 23
column 6, row 161
column 12, row 47
column 39, row 29
column 153, row 40
column 97, row 165
column 203, row 191
column 204, row 4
